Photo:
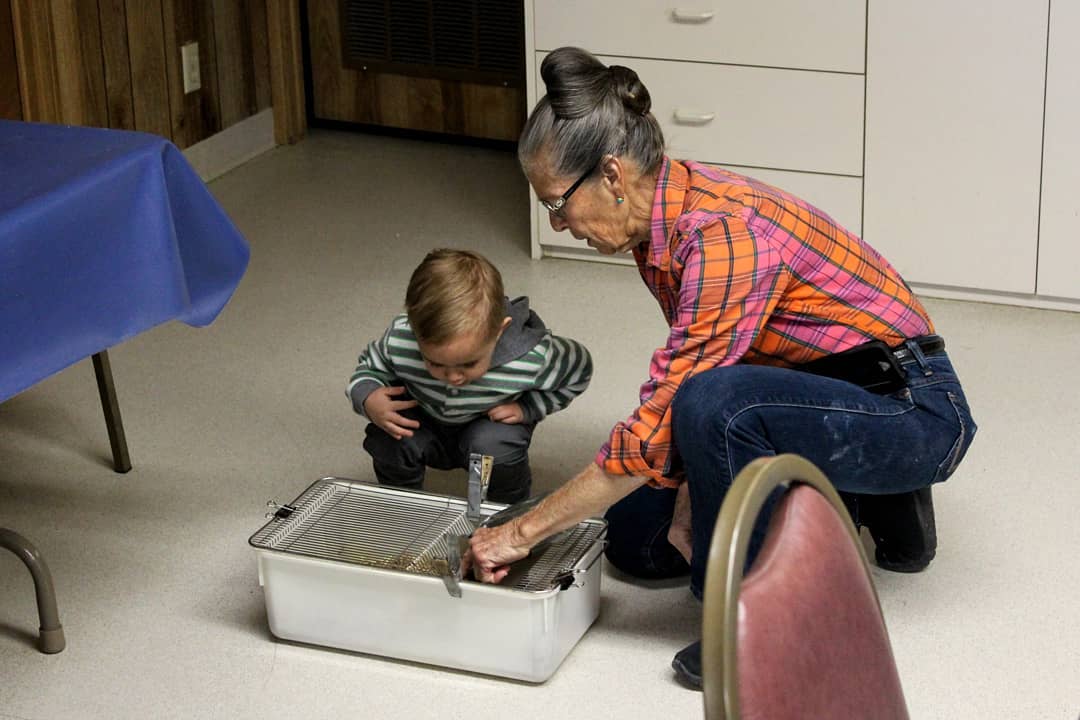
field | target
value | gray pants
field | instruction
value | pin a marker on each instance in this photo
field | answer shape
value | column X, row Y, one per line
column 445, row 447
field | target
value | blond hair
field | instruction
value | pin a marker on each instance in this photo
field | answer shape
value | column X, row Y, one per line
column 453, row 293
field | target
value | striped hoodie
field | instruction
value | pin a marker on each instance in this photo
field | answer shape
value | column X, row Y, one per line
column 540, row 371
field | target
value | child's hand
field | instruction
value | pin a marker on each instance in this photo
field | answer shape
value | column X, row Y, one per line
column 510, row 413
column 382, row 409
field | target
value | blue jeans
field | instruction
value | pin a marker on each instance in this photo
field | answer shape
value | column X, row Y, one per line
column 725, row 418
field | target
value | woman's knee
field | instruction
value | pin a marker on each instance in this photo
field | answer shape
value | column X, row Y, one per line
column 714, row 397
column 710, row 393
column 688, row 402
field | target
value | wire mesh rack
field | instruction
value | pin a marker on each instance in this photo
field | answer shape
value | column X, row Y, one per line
column 404, row 530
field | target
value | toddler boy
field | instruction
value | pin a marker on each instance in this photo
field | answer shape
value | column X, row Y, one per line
column 463, row 370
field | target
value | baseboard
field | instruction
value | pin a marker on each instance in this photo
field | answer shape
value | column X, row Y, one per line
column 585, row 253
column 1040, row 302
column 233, row 146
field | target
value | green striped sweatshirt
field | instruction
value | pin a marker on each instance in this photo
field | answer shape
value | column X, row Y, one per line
column 529, row 365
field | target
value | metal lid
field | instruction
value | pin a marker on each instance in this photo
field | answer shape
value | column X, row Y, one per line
column 405, row 530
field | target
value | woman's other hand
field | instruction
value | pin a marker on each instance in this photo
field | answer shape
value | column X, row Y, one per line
column 382, row 409
column 679, row 533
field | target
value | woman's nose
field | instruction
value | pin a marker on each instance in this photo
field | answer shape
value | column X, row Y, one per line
column 558, row 224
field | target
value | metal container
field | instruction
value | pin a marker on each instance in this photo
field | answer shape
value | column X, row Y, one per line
column 363, row 567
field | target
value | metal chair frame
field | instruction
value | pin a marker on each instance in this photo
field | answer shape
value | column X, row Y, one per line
column 727, row 556
column 51, row 633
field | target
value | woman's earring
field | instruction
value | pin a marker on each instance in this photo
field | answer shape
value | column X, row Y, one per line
column 619, row 200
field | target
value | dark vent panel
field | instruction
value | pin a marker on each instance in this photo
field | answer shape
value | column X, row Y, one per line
column 470, row 40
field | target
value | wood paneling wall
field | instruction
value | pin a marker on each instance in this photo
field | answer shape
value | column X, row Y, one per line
column 116, row 63
column 413, row 103
column 286, row 70
column 10, row 100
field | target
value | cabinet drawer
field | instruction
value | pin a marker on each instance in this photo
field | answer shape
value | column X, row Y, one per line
column 840, row 197
column 756, row 117
column 774, row 33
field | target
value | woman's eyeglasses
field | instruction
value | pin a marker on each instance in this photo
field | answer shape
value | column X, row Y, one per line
column 556, row 207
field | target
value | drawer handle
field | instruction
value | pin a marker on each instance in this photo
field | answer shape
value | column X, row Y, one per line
column 685, row 117
column 686, row 16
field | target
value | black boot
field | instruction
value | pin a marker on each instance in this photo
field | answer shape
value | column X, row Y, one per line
column 687, row 665
column 903, row 529
column 851, row 502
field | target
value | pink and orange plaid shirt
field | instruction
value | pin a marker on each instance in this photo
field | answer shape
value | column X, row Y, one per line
column 747, row 273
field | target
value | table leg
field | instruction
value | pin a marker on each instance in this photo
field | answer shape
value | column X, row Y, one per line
column 111, row 407
column 51, row 637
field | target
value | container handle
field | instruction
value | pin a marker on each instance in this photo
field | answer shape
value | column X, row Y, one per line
column 569, row 578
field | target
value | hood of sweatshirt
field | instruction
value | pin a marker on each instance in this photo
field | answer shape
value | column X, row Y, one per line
column 526, row 329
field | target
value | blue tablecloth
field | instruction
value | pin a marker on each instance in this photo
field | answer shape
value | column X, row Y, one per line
column 103, row 234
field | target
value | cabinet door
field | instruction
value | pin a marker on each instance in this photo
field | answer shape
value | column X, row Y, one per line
column 1059, row 229
column 754, row 117
column 953, row 133
column 774, row 33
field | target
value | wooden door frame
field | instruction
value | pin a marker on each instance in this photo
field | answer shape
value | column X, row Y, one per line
column 35, row 57
column 286, row 70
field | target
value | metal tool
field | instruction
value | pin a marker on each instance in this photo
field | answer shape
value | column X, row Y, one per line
column 479, row 479
column 458, row 543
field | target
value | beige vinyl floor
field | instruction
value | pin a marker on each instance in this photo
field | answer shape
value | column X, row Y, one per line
column 158, row 589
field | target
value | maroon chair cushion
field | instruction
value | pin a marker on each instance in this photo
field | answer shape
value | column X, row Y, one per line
column 811, row 640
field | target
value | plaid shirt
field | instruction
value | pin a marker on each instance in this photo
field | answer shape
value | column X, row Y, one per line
column 747, row 273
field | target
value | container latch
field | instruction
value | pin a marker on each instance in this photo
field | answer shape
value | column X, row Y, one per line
column 279, row 511
column 567, row 579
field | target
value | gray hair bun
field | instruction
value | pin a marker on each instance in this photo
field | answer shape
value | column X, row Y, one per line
column 577, row 84
column 590, row 110
column 629, row 89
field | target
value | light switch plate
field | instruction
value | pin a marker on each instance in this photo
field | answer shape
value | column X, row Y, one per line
column 189, row 62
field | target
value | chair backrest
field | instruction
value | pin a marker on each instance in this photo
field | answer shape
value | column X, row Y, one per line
column 801, row 635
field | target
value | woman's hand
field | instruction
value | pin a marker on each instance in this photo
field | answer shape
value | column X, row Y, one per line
column 382, row 409
column 587, row 494
column 679, row 533
column 492, row 550
column 510, row 413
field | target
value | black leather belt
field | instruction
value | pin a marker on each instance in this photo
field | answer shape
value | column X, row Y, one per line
column 874, row 365
column 929, row 344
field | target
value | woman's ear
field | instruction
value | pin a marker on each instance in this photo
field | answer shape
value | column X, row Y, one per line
column 614, row 173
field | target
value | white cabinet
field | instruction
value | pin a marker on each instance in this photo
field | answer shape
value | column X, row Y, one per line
column 946, row 132
column 954, row 108
column 784, row 106
column 1059, row 227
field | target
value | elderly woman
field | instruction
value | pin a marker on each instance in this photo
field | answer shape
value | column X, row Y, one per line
column 788, row 334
